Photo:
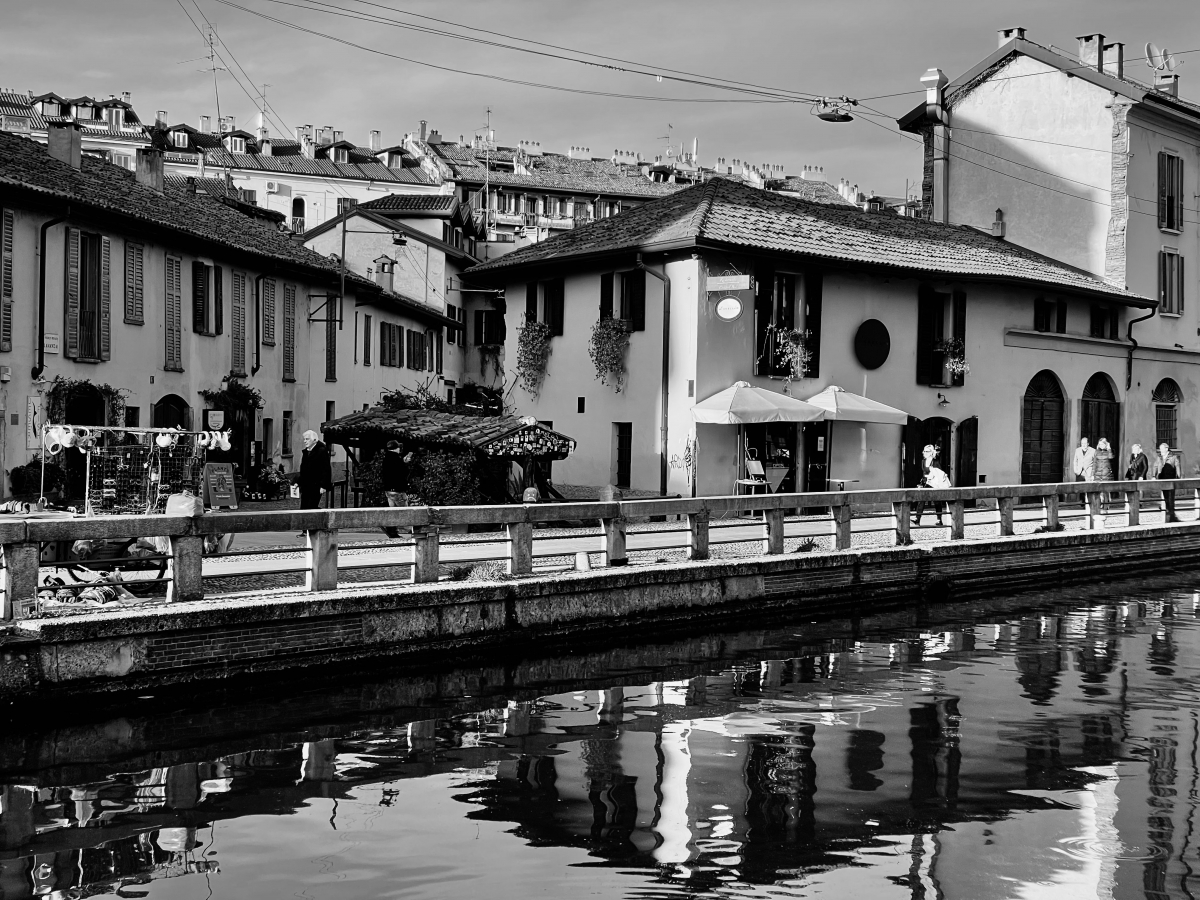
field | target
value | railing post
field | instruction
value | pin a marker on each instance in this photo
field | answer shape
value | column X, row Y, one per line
column 842, row 516
column 902, row 522
column 425, row 554
column 1133, row 507
column 698, row 535
column 322, row 571
column 520, row 548
column 956, row 520
column 1050, row 505
column 20, row 577
column 1197, row 494
column 1094, row 504
column 1005, row 506
column 186, row 569
column 614, row 541
column 773, row 531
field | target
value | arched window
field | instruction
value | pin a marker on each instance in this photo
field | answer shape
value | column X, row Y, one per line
column 1167, row 398
column 1100, row 414
column 298, row 214
column 1042, row 442
column 171, row 411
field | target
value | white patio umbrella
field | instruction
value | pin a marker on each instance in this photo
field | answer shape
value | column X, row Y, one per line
column 843, row 406
column 743, row 404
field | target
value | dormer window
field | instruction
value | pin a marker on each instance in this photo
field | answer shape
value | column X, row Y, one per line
column 50, row 108
column 179, row 139
column 341, row 155
column 237, row 145
column 395, row 159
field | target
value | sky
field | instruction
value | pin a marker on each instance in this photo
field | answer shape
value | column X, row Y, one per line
column 856, row 48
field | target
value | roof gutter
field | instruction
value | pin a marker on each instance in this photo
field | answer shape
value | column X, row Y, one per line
column 41, row 327
column 666, row 369
column 1133, row 345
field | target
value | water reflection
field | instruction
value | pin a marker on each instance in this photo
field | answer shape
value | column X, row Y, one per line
column 1052, row 752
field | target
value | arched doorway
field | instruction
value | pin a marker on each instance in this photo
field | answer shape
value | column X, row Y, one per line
column 1042, row 440
column 918, row 433
column 1100, row 413
column 172, row 411
column 85, row 406
column 1166, row 398
column 298, row 214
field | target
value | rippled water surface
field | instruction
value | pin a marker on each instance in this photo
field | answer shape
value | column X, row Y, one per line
column 1044, row 747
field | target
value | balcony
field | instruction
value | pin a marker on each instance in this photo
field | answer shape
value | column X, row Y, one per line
column 298, row 224
column 501, row 218
column 559, row 222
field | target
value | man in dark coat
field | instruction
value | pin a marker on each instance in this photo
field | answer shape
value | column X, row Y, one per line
column 394, row 476
column 316, row 474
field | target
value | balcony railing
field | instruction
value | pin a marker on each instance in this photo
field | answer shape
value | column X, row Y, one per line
column 298, row 224
column 89, row 334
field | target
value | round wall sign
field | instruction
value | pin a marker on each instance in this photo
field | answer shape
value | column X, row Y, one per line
column 872, row 344
column 729, row 308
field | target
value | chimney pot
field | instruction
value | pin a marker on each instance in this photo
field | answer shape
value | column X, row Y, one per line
column 1167, row 83
column 64, row 142
column 376, row 141
column 1091, row 51
column 1008, row 34
column 149, row 169
column 126, row 96
column 424, row 129
column 1114, row 59
column 160, row 117
column 205, row 124
column 935, row 82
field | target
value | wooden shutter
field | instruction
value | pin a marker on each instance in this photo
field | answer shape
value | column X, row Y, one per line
column 480, row 337
column 635, row 284
column 218, row 299
column 105, row 298
column 1060, row 317
column 1180, row 282
column 397, row 340
column 7, row 227
column 409, row 353
column 606, row 295
column 440, row 355
column 173, row 314
column 554, row 302
column 268, row 312
column 199, row 297
column 71, row 300
column 462, row 327
column 814, row 283
column 1162, row 189
column 366, row 340
column 289, row 331
column 331, row 331
column 531, row 298
column 427, row 343
column 928, row 313
column 384, row 358
column 135, row 283
column 1178, row 223
column 238, row 323
column 959, row 306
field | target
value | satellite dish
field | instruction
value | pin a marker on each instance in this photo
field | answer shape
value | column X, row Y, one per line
column 1168, row 60
column 1154, row 57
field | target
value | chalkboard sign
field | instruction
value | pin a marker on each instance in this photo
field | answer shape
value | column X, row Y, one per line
column 219, row 491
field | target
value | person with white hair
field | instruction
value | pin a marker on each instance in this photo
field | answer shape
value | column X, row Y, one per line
column 316, row 474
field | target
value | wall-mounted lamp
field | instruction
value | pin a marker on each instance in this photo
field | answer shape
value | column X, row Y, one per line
column 399, row 239
column 942, row 401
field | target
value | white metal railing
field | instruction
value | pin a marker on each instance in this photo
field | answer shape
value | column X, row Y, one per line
column 21, row 540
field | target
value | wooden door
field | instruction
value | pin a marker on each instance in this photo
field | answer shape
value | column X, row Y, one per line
column 967, row 457
column 1042, row 438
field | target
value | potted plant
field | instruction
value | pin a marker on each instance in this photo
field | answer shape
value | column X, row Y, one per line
column 533, row 352
column 791, row 352
column 607, row 346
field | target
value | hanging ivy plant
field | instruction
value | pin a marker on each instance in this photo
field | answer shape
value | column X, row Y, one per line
column 533, row 352
column 233, row 397
column 489, row 354
column 607, row 346
column 791, row 352
column 61, row 392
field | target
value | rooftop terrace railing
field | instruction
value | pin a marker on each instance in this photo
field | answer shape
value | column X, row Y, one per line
column 704, row 522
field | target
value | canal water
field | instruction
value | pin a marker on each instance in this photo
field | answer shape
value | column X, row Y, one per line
column 1038, row 746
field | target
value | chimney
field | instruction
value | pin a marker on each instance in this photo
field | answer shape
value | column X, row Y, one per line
column 1091, row 51
column 1114, row 59
column 264, row 144
column 337, row 136
column 230, row 123
column 126, row 96
column 205, row 125
column 424, row 129
column 998, row 225
column 385, row 268
column 64, row 142
column 262, row 133
column 300, row 134
column 1008, row 34
column 376, row 141
column 1167, row 83
column 160, row 117
column 326, row 135
column 935, row 82
column 149, row 170
column 434, row 137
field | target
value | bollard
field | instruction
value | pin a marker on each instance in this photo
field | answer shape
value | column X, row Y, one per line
column 583, row 561
column 1005, row 506
column 520, row 548
column 186, row 569
column 322, row 571
column 614, row 541
column 1133, row 508
column 773, row 531
column 902, row 522
column 698, row 535
column 20, row 578
column 956, row 520
column 1050, row 505
column 425, row 554
column 842, row 516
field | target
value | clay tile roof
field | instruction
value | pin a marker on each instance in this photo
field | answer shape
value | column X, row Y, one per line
column 731, row 215
column 816, row 191
column 493, row 435
column 419, row 203
column 20, row 105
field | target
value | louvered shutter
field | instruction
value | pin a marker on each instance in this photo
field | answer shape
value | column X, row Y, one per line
column 606, row 295
column 289, row 332
column 1178, row 223
column 1163, row 169
column 135, row 291
column 218, row 295
column 199, row 297
column 1181, row 282
column 366, row 340
column 814, row 284
column 71, row 300
column 384, row 358
column 960, row 331
column 173, row 313
column 268, row 313
column 7, row 227
column 427, row 340
column 105, row 298
column 238, row 323
column 397, row 340
column 440, row 352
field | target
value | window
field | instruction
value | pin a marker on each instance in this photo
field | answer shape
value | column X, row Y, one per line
column 622, row 453
column 633, row 299
column 1043, row 314
column 390, row 338
column 774, row 308
column 452, row 333
column 238, row 325
column 1170, row 192
column 417, row 349
column 268, row 312
column 330, row 410
column 268, row 439
column 180, row 139
column 298, row 214
column 207, row 301
column 440, row 355
column 173, row 315
column 248, row 196
column 1166, row 398
column 341, row 155
column 331, row 330
column 7, row 230
column 554, row 302
column 345, row 204
column 124, row 160
column 237, row 145
column 1170, row 282
column 87, row 296
column 531, row 301
column 366, row 340
column 580, row 404
column 931, row 335
column 133, row 416
column 289, row 332
column 1104, row 322
column 135, row 256
column 286, row 435
column 489, row 327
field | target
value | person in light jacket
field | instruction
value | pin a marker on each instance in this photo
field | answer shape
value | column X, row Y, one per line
column 316, row 473
column 931, row 477
column 1083, row 464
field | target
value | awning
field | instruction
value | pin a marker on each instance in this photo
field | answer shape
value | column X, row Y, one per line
column 742, row 404
column 843, row 406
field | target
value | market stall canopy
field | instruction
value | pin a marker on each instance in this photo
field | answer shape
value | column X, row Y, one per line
column 843, row 406
column 498, row 436
column 742, row 404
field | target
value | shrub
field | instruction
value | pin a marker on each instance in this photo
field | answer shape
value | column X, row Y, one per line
column 444, row 478
column 26, row 480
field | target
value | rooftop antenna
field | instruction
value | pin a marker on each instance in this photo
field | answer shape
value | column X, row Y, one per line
column 667, row 137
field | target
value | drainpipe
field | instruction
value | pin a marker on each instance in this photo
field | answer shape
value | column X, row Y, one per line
column 666, row 369
column 1133, row 345
column 41, row 329
column 257, row 323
